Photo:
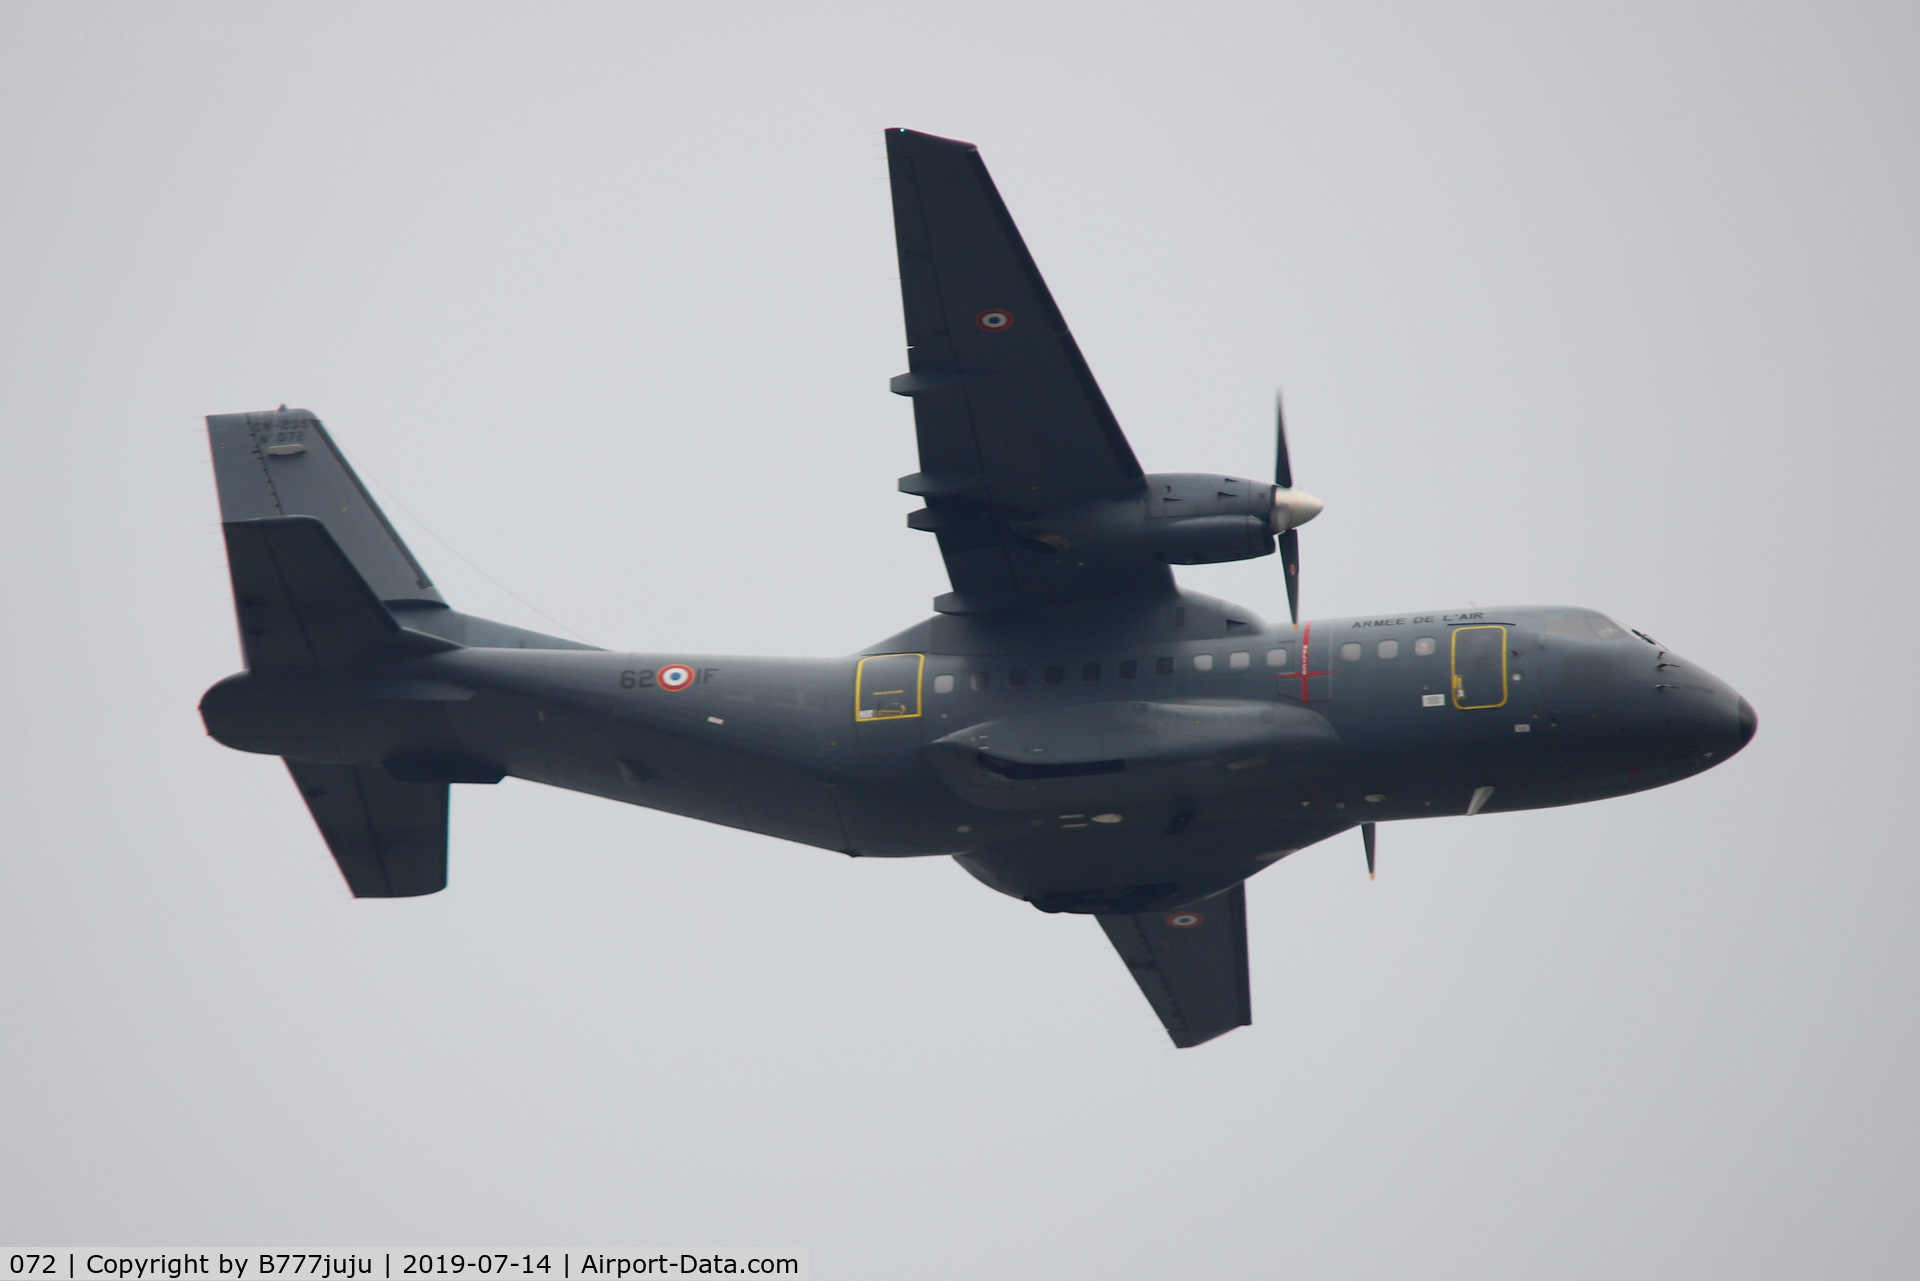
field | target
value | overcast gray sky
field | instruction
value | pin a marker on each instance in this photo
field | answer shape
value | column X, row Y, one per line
column 1614, row 304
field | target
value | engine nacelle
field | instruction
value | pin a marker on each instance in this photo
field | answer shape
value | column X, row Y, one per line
column 1208, row 540
column 1177, row 518
column 1203, row 519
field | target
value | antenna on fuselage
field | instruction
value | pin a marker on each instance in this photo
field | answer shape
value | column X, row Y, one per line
column 1366, row 835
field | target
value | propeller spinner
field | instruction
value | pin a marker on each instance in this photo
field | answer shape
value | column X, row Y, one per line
column 1292, row 508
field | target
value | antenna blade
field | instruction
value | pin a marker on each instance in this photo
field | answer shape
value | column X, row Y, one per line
column 1366, row 835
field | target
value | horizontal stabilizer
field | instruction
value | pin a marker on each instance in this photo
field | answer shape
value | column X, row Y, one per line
column 1191, row 963
column 390, row 839
column 283, row 463
column 300, row 601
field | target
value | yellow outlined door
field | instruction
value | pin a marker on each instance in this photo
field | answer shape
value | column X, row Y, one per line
column 887, row 687
column 1479, row 667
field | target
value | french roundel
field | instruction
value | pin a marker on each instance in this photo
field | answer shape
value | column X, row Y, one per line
column 997, row 320
column 678, row 676
column 1185, row 920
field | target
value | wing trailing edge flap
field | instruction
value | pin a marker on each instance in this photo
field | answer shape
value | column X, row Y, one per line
column 1190, row 963
column 390, row 839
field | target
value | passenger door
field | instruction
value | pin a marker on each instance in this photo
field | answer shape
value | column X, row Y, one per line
column 1479, row 667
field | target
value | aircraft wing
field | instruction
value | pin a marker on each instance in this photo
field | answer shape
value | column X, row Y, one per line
column 1190, row 963
column 1010, row 421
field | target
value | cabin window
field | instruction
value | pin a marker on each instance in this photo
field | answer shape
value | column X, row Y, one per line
column 1018, row 676
column 1423, row 646
column 1129, row 668
column 1388, row 649
column 1350, row 652
column 1239, row 659
column 1277, row 657
column 1163, row 666
column 1090, row 672
column 1203, row 662
column 1055, row 675
column 981, row 680
column 943, row 684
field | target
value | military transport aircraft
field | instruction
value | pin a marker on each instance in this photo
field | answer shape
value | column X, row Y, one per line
column 1072, row 727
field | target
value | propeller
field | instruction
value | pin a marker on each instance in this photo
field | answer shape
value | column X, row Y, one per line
column 1292, row 508
column 1366, row 835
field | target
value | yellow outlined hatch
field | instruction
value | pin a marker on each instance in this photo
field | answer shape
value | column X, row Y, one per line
column 1479, row 667
column 886, row 687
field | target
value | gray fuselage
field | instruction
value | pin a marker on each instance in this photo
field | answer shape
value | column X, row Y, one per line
column 1195, row 748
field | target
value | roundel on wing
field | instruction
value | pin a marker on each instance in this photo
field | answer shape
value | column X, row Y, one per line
column 996, row 320
column 677, row 676
column 1185, row 920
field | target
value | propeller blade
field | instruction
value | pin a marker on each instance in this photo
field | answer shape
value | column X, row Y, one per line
column 1292, row 508
column 1366, row 835
column 1282, row 465
column 1290, row 560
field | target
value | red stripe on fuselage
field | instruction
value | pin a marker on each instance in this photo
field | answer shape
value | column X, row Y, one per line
column 1306, row 665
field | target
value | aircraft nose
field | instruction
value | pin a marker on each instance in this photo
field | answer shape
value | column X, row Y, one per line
column 1749, row 722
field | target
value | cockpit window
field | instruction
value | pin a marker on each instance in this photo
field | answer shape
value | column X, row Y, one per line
column 1585, row 627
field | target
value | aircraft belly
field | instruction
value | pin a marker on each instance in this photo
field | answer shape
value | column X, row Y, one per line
column 714, row 784
column 741, row 755
column 1136, row 752
column 1149, row 861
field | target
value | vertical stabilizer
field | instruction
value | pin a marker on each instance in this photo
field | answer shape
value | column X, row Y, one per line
column 283, row 463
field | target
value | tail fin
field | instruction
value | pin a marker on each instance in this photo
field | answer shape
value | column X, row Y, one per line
column 321, row 580
column 283, row 463
column 346, row 572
